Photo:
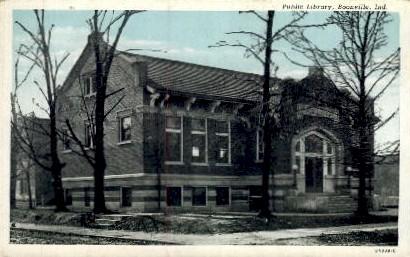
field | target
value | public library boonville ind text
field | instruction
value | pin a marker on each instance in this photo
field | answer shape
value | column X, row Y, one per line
column 339, row 7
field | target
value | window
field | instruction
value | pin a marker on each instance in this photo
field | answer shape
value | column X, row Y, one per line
column 223, row 142
column 126, row 197
column 68, row 197
column 199, row 140
column 260, row 146
column 199, row 196
column 313, row 144
column 173, row 139
column 89, row 134
column 87, row 198
column 89, row 85
column 222, row 196
column 66, row 140
column 174, row 196
column 125, row 129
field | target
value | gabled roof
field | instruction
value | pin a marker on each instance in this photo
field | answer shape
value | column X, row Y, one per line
column 194, row 79
column 188, row 78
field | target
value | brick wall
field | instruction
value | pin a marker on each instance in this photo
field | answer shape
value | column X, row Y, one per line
column 121, row 158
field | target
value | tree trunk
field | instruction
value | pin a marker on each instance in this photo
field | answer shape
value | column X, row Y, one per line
column 30, row 196
column 13, row 156
column 265, row 210
column 100, row 162
column 56, row 164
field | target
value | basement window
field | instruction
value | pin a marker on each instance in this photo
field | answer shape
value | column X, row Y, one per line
column 126, row 197
column 199, row 196
column 222, row 196
column 174, row 196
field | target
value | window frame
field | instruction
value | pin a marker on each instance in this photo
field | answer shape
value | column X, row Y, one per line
column 120, row 131
column 89, row 78
column 176, row 131
column 229, row 197
column 228, row 135
column 87, row 134
column 205, row 135
column 206, row 196
column 182, row 196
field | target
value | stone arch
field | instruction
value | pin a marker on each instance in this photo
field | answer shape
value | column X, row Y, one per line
column 332, row 155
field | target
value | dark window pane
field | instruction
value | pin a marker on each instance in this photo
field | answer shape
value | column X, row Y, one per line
column 198, row 196
column 329, row 148
column 313, row 144
column 222, row 149
column 198, row 148
column 222, row 195
column 172, row 146
column 173, row 122
column 329, row 167
column 125, row 133
column 174, row 195
column 198, row 125
column 126, row 197
column 221, row 127
column 87, row 86
column 88, row 136
column 68, row 197
column 87, row 198
column 297, row 147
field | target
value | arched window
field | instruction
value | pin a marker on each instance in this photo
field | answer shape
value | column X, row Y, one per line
column 314, row 144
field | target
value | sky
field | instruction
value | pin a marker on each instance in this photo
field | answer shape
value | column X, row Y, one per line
column 186, row 36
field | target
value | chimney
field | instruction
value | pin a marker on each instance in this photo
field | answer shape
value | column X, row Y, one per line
column 315, row 71
column 99, row 37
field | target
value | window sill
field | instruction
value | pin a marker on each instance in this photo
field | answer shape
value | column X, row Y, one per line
column 124, row 142
column 258, row 161
column 223, row 164
column 88, row 148
column 174, row 163
column 199, row 164
column 67, row 151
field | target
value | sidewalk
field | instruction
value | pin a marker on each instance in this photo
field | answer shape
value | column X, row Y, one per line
column 259, row 237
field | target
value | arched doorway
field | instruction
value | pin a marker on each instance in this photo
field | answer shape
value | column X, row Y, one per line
column 314, row 157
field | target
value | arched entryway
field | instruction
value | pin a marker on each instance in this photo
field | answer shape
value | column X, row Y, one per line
column 314, row 155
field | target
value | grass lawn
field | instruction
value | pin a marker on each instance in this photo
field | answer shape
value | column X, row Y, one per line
column 360, row 238
column 204, row 224
column 40, row 237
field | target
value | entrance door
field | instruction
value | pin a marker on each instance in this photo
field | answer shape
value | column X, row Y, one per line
column 314, row 174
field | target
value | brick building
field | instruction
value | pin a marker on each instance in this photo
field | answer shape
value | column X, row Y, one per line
column 185, row 137
column 32, row 181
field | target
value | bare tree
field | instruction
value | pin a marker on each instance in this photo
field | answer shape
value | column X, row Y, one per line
column 356, row 64
column 40, row 57
column 101, row 25
column 262, row 50
column 14, row 155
